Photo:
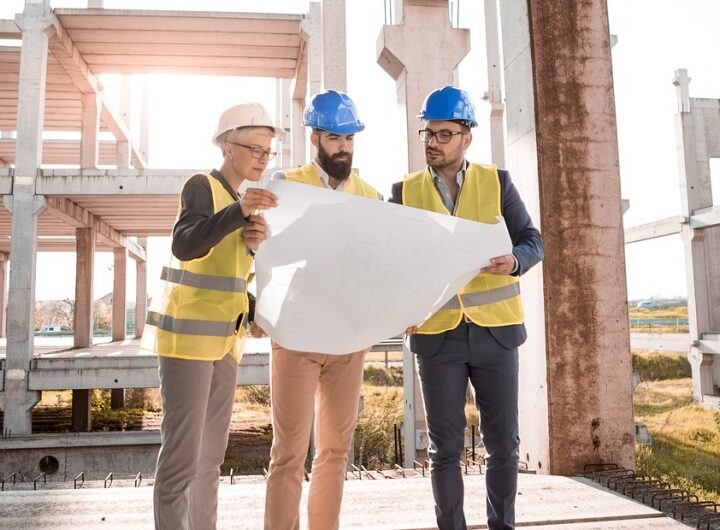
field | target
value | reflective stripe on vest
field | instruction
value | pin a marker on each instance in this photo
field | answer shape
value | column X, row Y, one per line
column 484, row 297
column 191, row 327
column 308, row 174
column 203, row 281
column 487, row 300
column 195, row 316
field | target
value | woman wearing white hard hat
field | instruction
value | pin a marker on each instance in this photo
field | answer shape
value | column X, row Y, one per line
column 197, row 327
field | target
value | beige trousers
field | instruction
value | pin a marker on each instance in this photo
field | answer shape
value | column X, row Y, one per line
column 297, row 382
column 197, row 400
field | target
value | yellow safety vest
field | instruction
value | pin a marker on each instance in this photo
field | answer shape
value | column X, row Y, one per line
column 308, row 174
column 488, row 299
column 202, row 299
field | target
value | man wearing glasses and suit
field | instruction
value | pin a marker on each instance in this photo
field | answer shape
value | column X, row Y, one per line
column 475, row 336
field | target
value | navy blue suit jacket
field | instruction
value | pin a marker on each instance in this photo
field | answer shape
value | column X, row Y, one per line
column 527, row 249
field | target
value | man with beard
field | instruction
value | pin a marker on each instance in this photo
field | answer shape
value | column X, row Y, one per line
column 475, row 336
column 301, row 382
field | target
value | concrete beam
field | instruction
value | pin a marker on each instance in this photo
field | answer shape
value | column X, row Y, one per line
column 705, row 217
column 137, row 371
column 662, row 228
column 111, row 181
column 75, row 215
column 9, row 30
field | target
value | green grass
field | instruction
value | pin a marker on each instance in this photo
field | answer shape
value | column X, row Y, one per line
column 685, row 449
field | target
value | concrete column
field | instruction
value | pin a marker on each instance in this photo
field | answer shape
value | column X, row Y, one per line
column 284, row 116
column 140, row 291
column 119, row 293
column 315, row 46
column 334, row 45
column 145, row 120
column 299, row 136
column 588, row 348
column 83, row 324
column 85, row 256
column 89, row 142
column 16, row 400
column 95, row 4
column 697, row 126
column 494, row 94
column 123, row 147
column 81, row 409
column 522, row 162
column 3, row 292
column 419, row 69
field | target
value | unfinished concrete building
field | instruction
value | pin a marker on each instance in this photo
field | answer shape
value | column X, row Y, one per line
column 576, row 402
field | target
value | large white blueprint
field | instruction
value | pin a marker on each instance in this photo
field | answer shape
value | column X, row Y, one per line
column 339, row 273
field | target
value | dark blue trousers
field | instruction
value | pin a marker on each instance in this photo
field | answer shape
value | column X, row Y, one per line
column 470, row 352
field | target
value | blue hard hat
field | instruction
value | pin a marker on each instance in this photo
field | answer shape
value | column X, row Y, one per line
column 334, row 112
column 448, row 104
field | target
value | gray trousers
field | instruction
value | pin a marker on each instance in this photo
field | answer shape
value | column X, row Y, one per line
column 470, row 352
column 197, row 400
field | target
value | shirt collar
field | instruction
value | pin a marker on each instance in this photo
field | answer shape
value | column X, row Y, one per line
column 460, row 177
column 325, row 178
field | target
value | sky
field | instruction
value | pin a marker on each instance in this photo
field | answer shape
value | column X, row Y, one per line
column 655, row 37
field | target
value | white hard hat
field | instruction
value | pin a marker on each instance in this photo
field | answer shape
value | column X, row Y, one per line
column 245, row 115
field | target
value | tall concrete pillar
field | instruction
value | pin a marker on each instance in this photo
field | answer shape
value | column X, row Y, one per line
column 334, row 45
column 315, row 46
column 417, row 69
column 145, row 119
column 697, row 126
column 119, row 293
column 17, row 401
column 567, row 130
column 83, row 321
column 89, row 141
column 140, row 291
column 83, row 316
column 3, row 292
column 123, row 147
column 522, row 162
column 298, row 140
column 283, row 107
column 494, row 94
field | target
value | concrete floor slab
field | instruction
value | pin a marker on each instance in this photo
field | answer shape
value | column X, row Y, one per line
column 543, row 502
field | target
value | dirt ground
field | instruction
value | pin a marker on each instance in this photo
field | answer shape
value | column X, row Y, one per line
column 248, row 451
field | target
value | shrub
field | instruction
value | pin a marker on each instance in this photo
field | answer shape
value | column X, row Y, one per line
column 655, row 367
column 255, row 394
column 381, row 376
column 374, row 441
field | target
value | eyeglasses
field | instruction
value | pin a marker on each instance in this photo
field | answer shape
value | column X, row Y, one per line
column 442, row 136
column 257, row 151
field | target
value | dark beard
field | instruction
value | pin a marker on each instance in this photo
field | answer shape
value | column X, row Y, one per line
column 337, row 169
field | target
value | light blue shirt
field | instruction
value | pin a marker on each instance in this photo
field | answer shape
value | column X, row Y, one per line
column 444, row 189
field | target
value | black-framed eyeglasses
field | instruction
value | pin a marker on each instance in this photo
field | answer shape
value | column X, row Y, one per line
column 443, row 136
column 257, row 151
